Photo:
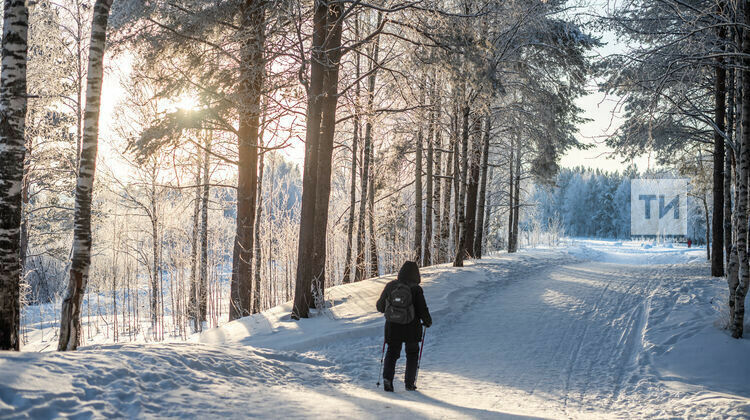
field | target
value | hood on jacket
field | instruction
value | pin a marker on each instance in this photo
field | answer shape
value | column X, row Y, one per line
column 409, row 273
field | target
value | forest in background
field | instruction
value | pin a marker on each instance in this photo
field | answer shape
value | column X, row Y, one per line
column 596, row 204
column 425, row 126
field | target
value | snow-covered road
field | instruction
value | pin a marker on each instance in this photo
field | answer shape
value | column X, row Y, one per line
column 598, row 330
column 567, row 341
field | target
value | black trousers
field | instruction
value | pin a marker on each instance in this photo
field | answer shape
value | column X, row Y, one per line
column 392, row 355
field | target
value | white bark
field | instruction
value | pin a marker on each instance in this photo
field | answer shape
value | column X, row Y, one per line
column 70, row 319
column 13, row 103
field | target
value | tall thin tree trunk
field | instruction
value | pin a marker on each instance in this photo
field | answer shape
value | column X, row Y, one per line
column 472, row 187
column 25, row 204
column 445, row 218
column 360, row 265
column 744, row 172
column 374, row 266
column 511, row 189
column 155, row 266
column 707, row 216
column 365, row 183
column 12, row 155
column 203, row 281
column 456, row 182
column 193, row 307
column 437, row 186
column 252, row 67
column 70, row 315
column 418, row 200
column 80, row 75
column 734, row 262
column 482, row 189
column 257, row 254
column 487, row 211
column 355, row 144
column 428, row 199
column 517, row 195
column 717, row 222
column 728, row 172
column 458, row 261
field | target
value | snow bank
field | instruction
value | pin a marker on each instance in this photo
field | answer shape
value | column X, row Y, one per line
column 637, row 252
column 599, row 329
column 352, row 310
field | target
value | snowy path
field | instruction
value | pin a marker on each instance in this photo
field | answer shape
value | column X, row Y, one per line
column 587, row 333
column 566, row 342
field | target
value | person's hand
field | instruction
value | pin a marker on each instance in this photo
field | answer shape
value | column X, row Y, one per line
column 427, row 324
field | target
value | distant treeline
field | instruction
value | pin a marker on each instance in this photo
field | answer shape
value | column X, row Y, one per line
column 595, row 203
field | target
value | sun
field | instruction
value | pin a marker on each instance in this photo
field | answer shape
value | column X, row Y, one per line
column 186, row 102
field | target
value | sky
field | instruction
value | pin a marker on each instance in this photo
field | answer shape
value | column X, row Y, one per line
column 601, row 110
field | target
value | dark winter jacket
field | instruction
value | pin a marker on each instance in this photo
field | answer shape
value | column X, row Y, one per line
column 412, row 332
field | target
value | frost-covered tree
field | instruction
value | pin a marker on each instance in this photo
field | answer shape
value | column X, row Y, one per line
column 50, row 167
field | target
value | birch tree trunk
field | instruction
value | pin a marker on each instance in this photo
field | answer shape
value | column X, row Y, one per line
column 70, row 315
column 13, row 102
column 729, row 155
column 482, row 190
column 734, row 262
column 252, row 67
column 744, row 172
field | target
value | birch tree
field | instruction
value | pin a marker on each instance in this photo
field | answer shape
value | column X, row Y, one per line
column 70, row 318
column 13, row 102
column 742, row 188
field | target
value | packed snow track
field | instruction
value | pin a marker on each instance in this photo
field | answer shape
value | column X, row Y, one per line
column 592, row 330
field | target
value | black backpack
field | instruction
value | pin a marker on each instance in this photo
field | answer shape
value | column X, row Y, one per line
column 398, row 307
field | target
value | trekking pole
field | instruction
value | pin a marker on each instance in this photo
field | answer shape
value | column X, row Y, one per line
column 419, row 361
column 380, row 372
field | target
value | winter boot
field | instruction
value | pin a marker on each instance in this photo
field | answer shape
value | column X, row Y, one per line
column 388, row 385
column 411, row 387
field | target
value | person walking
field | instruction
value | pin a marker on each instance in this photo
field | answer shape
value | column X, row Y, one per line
column 405, row 309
